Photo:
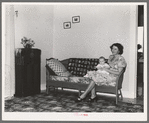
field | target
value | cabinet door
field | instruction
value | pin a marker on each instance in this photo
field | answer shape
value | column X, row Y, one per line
column 28, row 85
column 36, row 72
column 20, row 79
column 36, row 78
column 32, row 85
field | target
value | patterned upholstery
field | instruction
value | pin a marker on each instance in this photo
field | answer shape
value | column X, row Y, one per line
column 50, row 70
column 59, row 78
column 82, row 80
column 57, row 67
column 67, row 73
column 80, row 66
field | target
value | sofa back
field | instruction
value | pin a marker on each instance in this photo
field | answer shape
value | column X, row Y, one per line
column 80, row 66
column 77, row 66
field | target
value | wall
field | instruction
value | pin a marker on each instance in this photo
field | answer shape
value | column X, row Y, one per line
column 140, row 38
column 99, row 27
column 8, row 69
column 36, row 22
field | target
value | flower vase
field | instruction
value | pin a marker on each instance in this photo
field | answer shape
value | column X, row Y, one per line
column 28, row 46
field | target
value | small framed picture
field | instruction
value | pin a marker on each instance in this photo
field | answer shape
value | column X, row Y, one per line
column 67, row 25
column 76, row 19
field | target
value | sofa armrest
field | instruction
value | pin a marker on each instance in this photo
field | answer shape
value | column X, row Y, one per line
column 119, row 79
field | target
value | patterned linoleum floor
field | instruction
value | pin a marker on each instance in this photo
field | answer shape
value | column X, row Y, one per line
column 64, row 101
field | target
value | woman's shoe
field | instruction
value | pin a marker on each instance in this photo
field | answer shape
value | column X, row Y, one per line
column 80, row 99
column 92, row 100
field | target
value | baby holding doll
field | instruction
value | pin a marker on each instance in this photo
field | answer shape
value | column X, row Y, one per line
column 100, row 69
column 102, row 64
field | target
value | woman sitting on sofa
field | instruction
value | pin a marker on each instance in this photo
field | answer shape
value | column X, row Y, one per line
column 116, row 63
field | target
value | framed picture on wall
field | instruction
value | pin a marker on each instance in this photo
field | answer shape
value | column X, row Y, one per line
column 67, row 25
column 76, row 19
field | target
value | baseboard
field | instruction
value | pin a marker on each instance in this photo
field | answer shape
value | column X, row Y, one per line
column 127, row 94
column 43, row 87
column 9, row 97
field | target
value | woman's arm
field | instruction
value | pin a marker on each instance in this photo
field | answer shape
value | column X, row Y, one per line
column 121, row 64
column 114, row 72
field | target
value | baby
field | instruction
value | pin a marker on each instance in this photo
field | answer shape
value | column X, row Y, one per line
column 102, row 64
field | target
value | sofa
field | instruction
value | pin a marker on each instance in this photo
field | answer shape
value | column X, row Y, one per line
column 69, row 73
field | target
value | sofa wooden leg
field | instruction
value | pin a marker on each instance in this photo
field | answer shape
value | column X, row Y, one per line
column 79, row 92
column 117, row 97
column 47, row 89
column 121, row 94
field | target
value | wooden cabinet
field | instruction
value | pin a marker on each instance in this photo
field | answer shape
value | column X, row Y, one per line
column 27, row 72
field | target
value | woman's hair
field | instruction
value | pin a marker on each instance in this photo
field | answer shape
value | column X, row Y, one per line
column 119, row 46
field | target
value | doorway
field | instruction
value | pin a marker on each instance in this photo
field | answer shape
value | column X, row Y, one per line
column 140, row 52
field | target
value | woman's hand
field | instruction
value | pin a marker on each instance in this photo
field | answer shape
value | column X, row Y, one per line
column 113, row 71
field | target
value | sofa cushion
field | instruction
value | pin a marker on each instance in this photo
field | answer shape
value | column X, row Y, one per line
column 67, row 73
column 59, row 78
column 50, row 70
column 56, row 66
column 81, row 80
column 107, row 84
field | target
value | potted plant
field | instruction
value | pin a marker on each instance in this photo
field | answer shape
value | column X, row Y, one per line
column 27, row 43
